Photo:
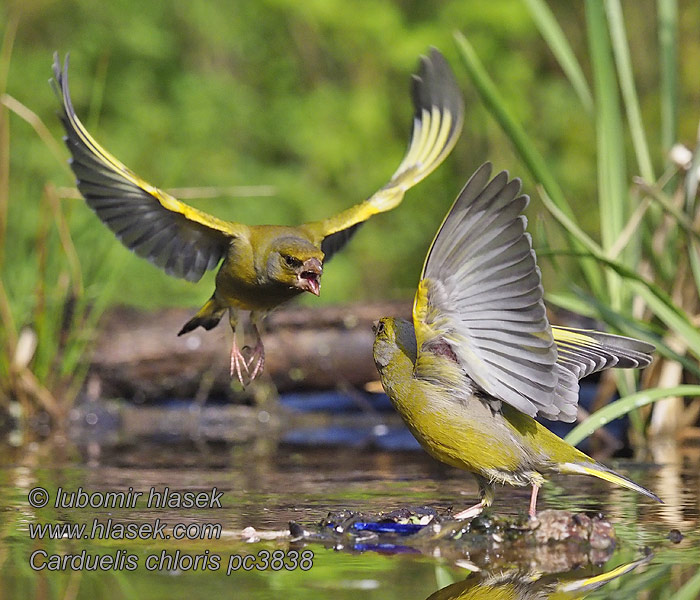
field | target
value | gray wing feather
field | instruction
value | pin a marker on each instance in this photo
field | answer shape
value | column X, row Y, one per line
column 182, row 247
column 486, row 284
column 583, row 352
column 485, row 301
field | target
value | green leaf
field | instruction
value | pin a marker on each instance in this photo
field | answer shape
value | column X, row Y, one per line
column 656, row 298
column 690, row 589
column 560, row 47
column 670, row 314
column 531, row 157
column 612, row 171
column 621, row 50
column 667, row 12
column 621, row 407
column 694, row 253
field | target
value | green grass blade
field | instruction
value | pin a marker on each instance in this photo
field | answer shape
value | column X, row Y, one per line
column 612, row 172
column 682, row 220
column 694, row 253
column 690, row 589
column 621, row 407
column 691, row 178
column 690, row 187
column 671, row 315
column 621, row 50
column 596, row 252
column 657, row 300
column 495, row 103
column 560, row 47
column 8, row 41
column 626, row 326
column 583, row 239
column 531, row 157
column 667, row 13
column 572, row 303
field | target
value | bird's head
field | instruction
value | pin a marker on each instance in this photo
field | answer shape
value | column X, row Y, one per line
column 394, row 342
column 296, row 263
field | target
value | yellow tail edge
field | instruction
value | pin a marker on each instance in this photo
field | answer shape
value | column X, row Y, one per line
column 208, row 317
column 601, row 472
column 591, row 583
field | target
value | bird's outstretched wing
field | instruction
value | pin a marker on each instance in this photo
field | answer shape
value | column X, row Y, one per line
column 437, row 123
column 178, row 238
column 480, row 302
column 583, row 352
column 480, row 294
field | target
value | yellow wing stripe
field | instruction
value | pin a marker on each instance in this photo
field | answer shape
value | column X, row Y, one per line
column 420, row 133
column 437, row 124
column 112, row 162
column 427, row 146
column 166, row 200
column 573, row 338
column 423, row 158
column 438, row 148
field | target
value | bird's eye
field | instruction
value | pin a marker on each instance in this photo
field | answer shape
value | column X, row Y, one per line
column 292, row 261
column 378, row 327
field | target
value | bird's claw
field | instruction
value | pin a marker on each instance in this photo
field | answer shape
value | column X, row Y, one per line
column 238, row 364
column 258, row 357
column 251, row 366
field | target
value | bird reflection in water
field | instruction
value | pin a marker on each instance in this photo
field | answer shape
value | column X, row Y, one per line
column 530, row 585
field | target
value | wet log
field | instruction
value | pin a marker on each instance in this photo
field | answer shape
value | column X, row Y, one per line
column 139, row 355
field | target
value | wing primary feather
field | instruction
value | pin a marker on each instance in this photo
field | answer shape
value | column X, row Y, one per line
column 156, row 226
column 438, row 116
column 481, row 291
column 584, row 352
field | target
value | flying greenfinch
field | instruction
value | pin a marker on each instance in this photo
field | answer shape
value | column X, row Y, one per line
column 262, row 266
column 481, row 360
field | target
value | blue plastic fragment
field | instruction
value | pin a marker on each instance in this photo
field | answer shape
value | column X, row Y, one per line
column 398, row 528
column 386, row 548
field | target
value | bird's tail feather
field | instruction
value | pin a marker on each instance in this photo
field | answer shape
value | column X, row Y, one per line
column 598, row 470
column 208, row 317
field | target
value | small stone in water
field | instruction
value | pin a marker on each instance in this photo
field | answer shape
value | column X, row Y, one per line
column 675, row 536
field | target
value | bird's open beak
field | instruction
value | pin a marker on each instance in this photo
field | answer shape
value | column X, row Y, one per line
column 310, row 276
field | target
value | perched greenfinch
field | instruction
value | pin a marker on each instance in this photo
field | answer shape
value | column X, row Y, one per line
column 263, row 265
column 480, row 359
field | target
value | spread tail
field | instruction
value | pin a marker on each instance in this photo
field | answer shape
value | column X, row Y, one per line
column 208, row 317
column 601, row 472
column 574, row 589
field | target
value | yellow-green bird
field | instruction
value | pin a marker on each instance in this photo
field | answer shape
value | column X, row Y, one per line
column 480, row 358
column 533, row 585
column 263, row 265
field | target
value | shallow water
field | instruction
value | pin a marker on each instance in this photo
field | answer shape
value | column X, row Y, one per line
column 267, row 482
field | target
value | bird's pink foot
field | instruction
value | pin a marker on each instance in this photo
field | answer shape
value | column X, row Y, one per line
column 238, row 363
column 471, row 512
column 257, row 360
column 533, row 502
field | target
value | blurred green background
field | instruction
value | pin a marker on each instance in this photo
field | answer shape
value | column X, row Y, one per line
column 308, row 97
column 311, row 98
